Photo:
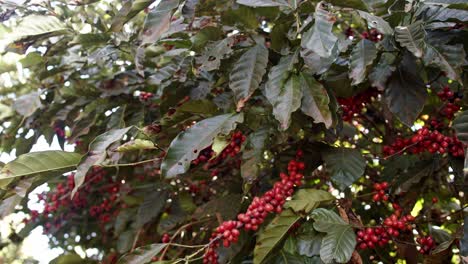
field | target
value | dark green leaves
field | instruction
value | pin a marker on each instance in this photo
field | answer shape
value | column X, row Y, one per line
column 127, row 12
column 339, row 242
column 96, row 154
column 158, row 20
column 464, row 241
column 363, row 55
column 346, row 165
column 460, row 124
column 273, row 234
column 406, row 92
column 247, row 73
column 411, row 37
column 45, row 162
column 188, row 144
column 282, row 91
column 151, row 207
column 142, row 255
column 382, row 71
column 306, row 200
column 37, row 25
column 376, row 22
column 315, row 101
column 263, row 3
column 320, row 38
column 448, row 58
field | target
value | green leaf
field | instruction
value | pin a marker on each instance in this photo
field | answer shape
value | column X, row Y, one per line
column 96, row 154
column 151, row 207
column 27, row 104
column 309, row 241
column 269, row 238
column 129, row 10
column 339, row 242
column 5, row 111
column 247, row 74
column 187, row 145
column 158, row 20
column 363, row 54
column 346, row 165
column 142, row 255
column 282, row 92
column 263, row 3
column 44, row 162
column 412, row 37
column 315, row 101
column 376, row 22
column 306, row 200
column 214, row 53
column 320, row 38
column 137, row 144
column 37, row 25
column 406, row 93
column 382, row 71
column 460, row 124
column 252, row 155
column 449, row 58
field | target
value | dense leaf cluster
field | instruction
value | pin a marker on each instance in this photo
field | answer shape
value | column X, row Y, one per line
column 190, row 109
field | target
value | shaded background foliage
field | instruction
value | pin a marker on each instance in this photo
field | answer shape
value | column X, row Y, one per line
column 182, row 111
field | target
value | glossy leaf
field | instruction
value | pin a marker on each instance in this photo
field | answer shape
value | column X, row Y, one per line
column 376, row 22
column 448, row 58
column 137, row 144
column 96, row 154
column 363, row 54
column 315, row 101
column 151, row 207
column 339, row 242
column 44, row 162
column 406, row 92
column 460, row 124
column 247, row 74
column 382, row 71
column 187, row 145
column 129, row 10
column 263, row 3
column 142, row 255
column 346, row 165
column 37, row 25
column 158, row 20
column 283, row 93
column 412, row 38
column 320, row 38
column 306, row 200
column 272, row 235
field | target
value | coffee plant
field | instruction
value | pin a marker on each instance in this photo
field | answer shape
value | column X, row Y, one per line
column 238, row 131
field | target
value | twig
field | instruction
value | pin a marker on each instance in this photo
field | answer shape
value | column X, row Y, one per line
column 177, row 233
column 136, row 239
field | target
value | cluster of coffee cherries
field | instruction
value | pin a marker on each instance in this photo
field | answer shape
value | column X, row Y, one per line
column 426, row 244
column 380, row 189
column 145, row 96
column 58, row 207
column 393, row 225
column 373, row 35
column 426, row 140
column 452, row 106
column 354, row 105
column 272, row 201
column 231, row 150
